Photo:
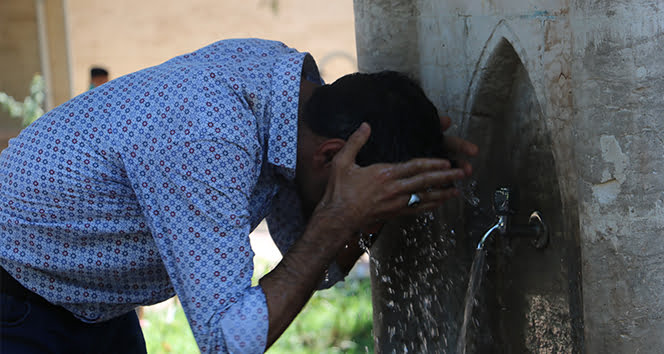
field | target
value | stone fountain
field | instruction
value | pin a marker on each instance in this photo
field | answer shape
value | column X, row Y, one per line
column 564, row 99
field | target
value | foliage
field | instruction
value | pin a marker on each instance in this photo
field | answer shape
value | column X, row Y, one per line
column 337, row 320
column 167, row 330
column 273, row 4
column 31, row 107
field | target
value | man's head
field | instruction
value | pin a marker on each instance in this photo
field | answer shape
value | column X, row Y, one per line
column 98, row 77
column 404, row 125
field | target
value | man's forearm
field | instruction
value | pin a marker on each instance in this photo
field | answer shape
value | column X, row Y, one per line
column 348, row 256
column 289, row 286
column 354, row 197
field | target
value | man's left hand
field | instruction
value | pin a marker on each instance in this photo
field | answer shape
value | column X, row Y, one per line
column 457, row 148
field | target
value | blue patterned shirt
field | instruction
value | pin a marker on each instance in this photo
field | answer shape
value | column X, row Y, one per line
column 148, row 186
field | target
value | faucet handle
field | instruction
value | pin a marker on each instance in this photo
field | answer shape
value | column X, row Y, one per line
column 504, row 201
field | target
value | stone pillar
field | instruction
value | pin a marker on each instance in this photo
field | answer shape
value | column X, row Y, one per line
column 564, row 99
column 618, row 83
column 386, row 35
column 58, row 51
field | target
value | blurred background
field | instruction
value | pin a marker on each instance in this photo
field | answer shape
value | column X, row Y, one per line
column 48, row 47
column 63, row 39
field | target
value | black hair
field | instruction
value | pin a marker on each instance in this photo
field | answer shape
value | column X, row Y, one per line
column 404, row 123
column 97, row 71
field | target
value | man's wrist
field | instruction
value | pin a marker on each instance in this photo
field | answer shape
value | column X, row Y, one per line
column 332, row 231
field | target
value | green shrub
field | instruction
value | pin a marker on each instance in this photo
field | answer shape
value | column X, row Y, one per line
column 31, row 107
column 337, row 320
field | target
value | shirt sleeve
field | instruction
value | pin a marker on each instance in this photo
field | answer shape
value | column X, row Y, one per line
column 197, row 206
column 286, row 224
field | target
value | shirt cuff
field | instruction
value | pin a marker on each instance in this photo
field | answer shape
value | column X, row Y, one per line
column 244, row 325
column 333, row 275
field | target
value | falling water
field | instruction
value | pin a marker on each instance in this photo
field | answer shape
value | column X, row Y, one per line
column 426, row 246
column 476, row 275
column 412, row 285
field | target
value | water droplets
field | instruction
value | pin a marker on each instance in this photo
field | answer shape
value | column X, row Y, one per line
column 416, row 282
column 364, row 243
column 468, row 191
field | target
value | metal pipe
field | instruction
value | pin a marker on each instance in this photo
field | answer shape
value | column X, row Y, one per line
column 44, row 57
column 70, row 69
column 501, row 226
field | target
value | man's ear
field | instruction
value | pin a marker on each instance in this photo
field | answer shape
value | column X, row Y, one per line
column 326, row 152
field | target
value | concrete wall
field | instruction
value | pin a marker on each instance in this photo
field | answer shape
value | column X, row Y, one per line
column 128, row 35
column 597, row 74
column 618, row 82
column 19, row 57
column 33, row 40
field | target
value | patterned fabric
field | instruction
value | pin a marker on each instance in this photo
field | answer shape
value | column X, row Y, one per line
column 149, row 185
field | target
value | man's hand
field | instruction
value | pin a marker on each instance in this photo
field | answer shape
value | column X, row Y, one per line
column 359, row 196
column 458, row 148
column 356, row 197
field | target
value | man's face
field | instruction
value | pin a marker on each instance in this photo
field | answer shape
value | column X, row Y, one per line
column 310, row 175
column 314, row 165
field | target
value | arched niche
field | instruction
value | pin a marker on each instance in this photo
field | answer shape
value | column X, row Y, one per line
column 531, row 299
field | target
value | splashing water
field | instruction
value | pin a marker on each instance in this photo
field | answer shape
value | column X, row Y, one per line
column 476, row 275
column 411, row 284
column 365, row 244
column 468, row 191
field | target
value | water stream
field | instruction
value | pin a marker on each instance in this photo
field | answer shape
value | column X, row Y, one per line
column 425, row 246
column 476, row 275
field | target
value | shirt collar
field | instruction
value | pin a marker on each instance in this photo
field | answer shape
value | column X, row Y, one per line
column 282, row 135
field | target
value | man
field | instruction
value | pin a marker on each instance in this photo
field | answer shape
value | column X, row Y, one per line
column 149, row 186
column 98, row 77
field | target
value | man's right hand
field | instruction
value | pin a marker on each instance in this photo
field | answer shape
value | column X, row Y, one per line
column 357, row 197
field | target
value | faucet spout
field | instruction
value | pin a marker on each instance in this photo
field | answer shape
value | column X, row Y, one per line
column 504, row 204
column 500, row 226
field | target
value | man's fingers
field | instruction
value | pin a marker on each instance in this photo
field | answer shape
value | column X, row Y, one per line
column 355, row 142
column 457, row 145
column 428, row 200
column 435, row 179
column 445, row 123
column 434, row 196
column 465, row 166
column 423, row 207
column 418, row 166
